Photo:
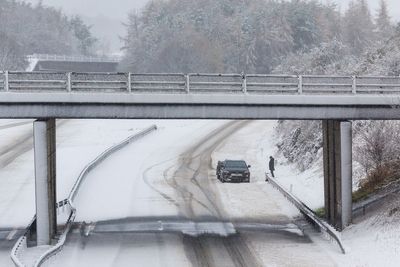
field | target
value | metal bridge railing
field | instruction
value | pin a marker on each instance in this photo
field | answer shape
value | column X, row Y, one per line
column 197, row 83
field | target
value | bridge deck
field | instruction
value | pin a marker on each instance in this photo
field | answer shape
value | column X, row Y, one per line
column 179, row 96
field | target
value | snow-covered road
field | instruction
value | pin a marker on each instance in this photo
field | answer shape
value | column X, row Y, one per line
column 169, row 176
column 148, row 204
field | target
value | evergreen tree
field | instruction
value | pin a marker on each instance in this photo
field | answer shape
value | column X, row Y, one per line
column 384, row 28
column 358, row 28
column 84, row 36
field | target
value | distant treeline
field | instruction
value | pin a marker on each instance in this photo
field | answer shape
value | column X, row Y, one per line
column 251, row 36
column 27, row 29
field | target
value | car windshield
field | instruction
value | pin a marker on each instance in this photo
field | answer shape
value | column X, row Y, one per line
column 235, row 164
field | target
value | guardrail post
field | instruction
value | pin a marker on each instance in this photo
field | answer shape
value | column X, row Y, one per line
column 244, row 83
column 187, row 83
column 6, row 83
column 129, row 83
column 354, row 85
column 300, row 85
column 69, row 84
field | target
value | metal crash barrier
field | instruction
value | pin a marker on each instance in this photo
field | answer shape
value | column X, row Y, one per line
column 12, row 81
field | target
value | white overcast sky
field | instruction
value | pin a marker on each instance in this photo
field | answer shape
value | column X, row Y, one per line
column 118, row 9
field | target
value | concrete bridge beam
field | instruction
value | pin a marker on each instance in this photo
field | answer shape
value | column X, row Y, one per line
column 337, row 138
column 45, row 180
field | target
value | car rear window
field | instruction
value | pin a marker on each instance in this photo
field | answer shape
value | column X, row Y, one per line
column 235, row 164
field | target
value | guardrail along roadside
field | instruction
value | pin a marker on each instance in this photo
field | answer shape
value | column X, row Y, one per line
column 318, row 223
column 66, row 205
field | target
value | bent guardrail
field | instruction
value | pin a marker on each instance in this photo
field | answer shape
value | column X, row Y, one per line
column 68, row 202
column 13, row 81
column 309, row 214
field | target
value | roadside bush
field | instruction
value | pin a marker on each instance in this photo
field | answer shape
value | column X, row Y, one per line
column 377, row 178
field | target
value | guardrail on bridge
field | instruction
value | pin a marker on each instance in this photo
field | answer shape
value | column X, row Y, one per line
column 11, row 81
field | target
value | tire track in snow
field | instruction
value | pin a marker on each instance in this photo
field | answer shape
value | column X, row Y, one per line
column 200, row 156
column 172, row 200
column 194, row 167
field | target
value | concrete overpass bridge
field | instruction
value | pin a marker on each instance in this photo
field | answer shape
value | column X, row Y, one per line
column 335, row 100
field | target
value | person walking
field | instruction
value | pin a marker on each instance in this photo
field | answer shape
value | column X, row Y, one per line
column 272, row 166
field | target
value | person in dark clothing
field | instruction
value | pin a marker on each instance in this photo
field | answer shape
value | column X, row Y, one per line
column 272, row 165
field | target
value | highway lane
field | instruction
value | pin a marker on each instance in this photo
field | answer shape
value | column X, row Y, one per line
column 17, row 190
column 200, row 232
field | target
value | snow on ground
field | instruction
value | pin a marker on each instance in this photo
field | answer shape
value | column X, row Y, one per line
column 17, row 205
column 116, row 190
column 308, row 185
column 121, row 188
column 373, row 242
column 259, row 202
column 122, row 250
column 376, row 240
column 16, row 176
column 78, row 143
column 246, row 144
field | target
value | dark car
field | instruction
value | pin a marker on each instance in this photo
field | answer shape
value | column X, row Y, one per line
column 233, row 171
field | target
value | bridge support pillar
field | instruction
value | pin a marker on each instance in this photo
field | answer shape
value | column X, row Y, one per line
column 337, row 139
column 44, row 132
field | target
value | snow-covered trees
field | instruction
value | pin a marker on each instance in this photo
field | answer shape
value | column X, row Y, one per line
column 358, row 29
column 376, row 143
column 83, row 35
column 383, row 25
column 365, row 48
column 252, row 36
column 300, row 141
column 27, row 29
column 225, row 35
column 10, row 51
column 384, row 59
column 376, row 150
column 330, row 57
